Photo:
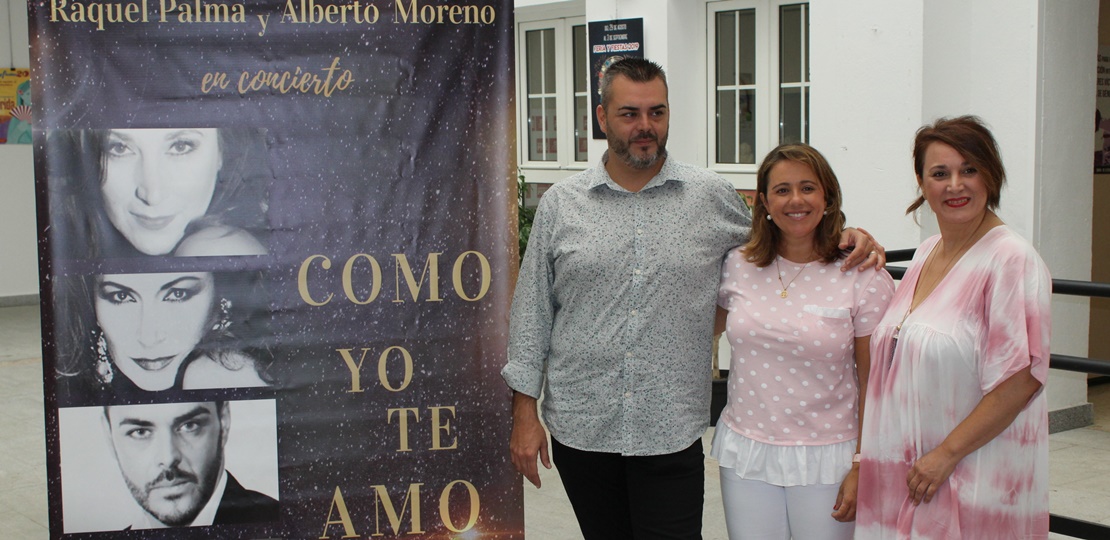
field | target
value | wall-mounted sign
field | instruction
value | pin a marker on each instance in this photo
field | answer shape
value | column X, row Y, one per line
column 611, row 41
column 1102, row 112
column 15, row 106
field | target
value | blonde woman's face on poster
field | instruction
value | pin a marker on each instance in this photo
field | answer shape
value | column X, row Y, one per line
column 157, row 181
column 151, row 322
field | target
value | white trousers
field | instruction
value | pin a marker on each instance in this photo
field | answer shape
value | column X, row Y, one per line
column 756, row 510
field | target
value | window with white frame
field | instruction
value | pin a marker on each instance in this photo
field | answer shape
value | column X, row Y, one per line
column 553, row 88
column 758, row 79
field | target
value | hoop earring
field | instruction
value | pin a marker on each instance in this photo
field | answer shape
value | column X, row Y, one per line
column 104, row 371
column 224, row 322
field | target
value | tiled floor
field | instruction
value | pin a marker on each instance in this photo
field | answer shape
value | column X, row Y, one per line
column 1080, row 459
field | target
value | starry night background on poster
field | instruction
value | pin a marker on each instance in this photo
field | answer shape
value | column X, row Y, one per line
column 412, row 162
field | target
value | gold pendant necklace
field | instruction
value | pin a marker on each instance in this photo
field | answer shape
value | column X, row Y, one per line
column 783, row 292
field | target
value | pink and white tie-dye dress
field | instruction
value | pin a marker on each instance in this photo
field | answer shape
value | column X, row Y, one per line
column 986, row 320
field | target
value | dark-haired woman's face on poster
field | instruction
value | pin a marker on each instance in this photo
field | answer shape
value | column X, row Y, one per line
column 152, row 322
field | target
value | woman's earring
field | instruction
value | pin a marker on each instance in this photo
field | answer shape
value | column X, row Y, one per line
column 825, row 213
column 224, row 322
column 768, row 217
column 104, row 372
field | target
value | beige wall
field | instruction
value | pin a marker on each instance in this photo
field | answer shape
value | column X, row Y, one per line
column 1100, row 231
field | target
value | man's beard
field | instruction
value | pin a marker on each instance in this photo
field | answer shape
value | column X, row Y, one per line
column 176, row 517
column 620, row 148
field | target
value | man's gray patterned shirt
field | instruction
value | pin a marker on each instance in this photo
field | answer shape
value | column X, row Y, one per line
column 613, row 311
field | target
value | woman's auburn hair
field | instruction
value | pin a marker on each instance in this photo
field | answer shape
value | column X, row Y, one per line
column 763, row 245
column 969, row 136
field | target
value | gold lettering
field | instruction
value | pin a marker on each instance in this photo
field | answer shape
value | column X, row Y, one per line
column 445, row 507
column 402, row 425
column 382, row 375
column 383, row 364
column 337, row 505
column 442, row 426
column 399, row 8
column 375, row 278
column 309, row 83
column 356, row 369
column 382, row 496
column 431, row 264
column 58, row 11
column 302, row 280
column 95, row 13
column 211, row 81
column 291, row 12
column 166, row 6
column 484, row 280
column 441, row 14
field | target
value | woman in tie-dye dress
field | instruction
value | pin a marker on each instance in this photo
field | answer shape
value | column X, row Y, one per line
column 955, row 435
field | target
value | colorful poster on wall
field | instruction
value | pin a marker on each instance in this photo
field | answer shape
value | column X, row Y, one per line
column 15, row 106
column 609, row 42
column 1102, row 112
column 276, row 254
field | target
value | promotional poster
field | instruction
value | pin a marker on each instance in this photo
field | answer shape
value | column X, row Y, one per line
column 15, row 106
column 276, row 250
column 611, row 41
column 1102, row 112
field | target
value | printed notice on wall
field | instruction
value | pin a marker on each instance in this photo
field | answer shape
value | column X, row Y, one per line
column 1102, row 112
column 611, row 41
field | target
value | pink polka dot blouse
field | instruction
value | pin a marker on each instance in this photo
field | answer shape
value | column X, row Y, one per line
column 792, row 376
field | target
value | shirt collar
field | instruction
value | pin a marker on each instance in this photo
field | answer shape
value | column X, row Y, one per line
column 667, row 173
column 208, row 514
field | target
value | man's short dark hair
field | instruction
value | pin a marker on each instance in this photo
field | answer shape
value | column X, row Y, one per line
column 640, row 70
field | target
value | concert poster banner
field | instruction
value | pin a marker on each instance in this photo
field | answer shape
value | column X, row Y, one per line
column 611, row 41
column 276, row 250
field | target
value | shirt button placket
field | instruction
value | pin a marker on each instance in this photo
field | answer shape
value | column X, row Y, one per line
column 639, row 251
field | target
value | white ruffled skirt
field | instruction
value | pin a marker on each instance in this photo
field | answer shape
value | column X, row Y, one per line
column 780, row 465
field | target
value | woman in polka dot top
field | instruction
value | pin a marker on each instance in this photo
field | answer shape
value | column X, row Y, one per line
column 799, row 326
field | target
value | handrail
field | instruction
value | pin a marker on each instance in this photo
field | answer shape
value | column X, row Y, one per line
column 1076, row 528
column 1059, row 286
column 1080, row 288
column 1080, row 364
column 899, row 255
column 1066, row 526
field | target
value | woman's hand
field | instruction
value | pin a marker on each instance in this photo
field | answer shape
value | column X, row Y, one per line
column 866, row 252
column 845, row 508
column 990, row 417
column 929, row 473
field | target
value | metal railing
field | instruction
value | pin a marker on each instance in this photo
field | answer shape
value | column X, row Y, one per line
column 1067, row 526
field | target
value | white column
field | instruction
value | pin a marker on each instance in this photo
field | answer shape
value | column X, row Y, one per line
column 866, row 63
column 1062, row 186
column 881, row 69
